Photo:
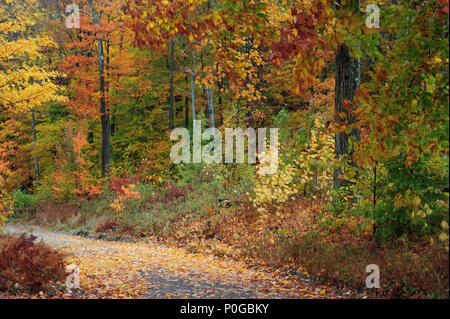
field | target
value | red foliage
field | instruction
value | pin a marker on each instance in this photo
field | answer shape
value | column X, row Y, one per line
column 174, row 192
column 118, row 184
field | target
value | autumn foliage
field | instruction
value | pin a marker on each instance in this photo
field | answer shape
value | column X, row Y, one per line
column 362, row 113
column 28, row 265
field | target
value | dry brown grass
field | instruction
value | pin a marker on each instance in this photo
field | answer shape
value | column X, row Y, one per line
column 28, row 265
column 408, row 269
column 293, row 237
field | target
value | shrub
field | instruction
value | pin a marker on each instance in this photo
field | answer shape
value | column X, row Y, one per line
column 314, row 172
column 407, row 200
column 406, row 269
column 236, row 175
column 274, row 189
column 29, row 263
column 118, row 185
column 6, row 204
column 127, row 192
column 174, row 192
column 27, row 202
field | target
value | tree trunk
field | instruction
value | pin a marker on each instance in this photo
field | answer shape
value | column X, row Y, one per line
column 172, row 48
column 186, row 106
column 33, row 127
column 210, row 107
column 347, row 81
column 106, row 125
column 186, row 111
column 193, row 75
column 108, row 84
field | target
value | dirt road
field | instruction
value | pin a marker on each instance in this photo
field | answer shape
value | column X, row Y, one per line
column 152, row 270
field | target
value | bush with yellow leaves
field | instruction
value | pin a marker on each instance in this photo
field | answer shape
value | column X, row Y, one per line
column 443, row 237
column 313, row 167
column 273, row 190
column 6, row 206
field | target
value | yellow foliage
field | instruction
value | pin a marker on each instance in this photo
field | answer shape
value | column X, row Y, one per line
column 347, row 224
column 22, row 84
column 5, row 206
column 314, row 172
column 443, row 237
column 272, row 190
column 128, row 192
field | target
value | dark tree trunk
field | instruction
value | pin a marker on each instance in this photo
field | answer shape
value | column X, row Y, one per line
column 108, row 81
column 347, row 81
column 106, row 125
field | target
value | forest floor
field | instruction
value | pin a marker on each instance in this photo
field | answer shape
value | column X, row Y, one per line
column 148, row 269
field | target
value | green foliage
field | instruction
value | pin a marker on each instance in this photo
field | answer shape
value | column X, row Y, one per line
column 410, row 200
column 25, row 201
column 402, row 112
column 225, row 180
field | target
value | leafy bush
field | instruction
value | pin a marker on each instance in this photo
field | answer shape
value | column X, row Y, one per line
column 314, row 172
column 273, row 190
column 226, row 180
column 106, row 224
column 408, row 200
column 126, row 193
column 6, row 204
column 173, row 192
column 24, row 202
